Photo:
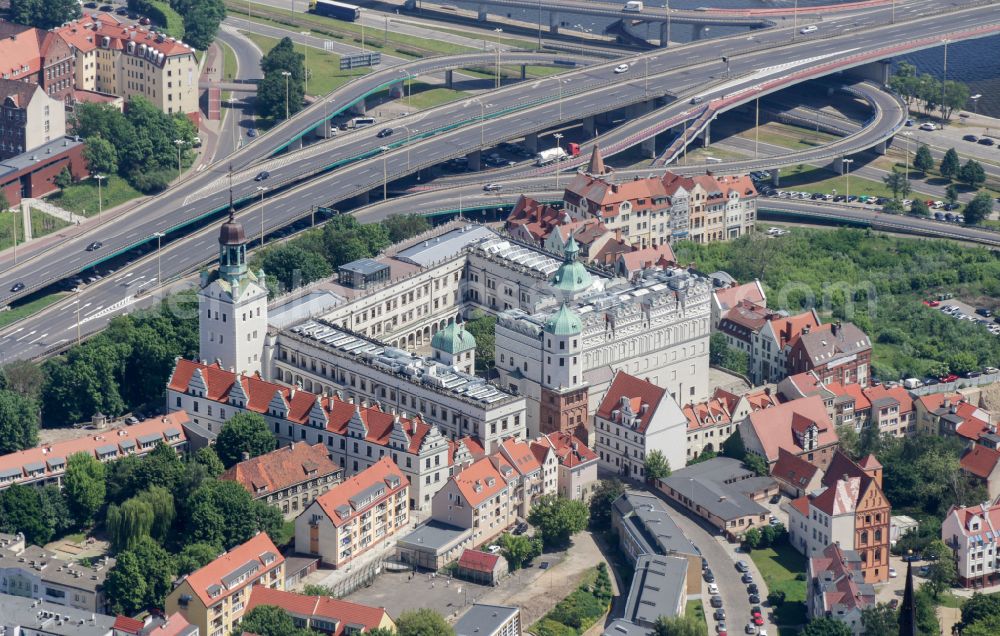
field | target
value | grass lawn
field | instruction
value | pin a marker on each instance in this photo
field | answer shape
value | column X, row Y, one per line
column 778, row 565
column 229, row 63
column 947, row 599
column 810, row 179
column 695, row 608
column 8, row 221
column 324, row 68
column 42, row 223
column 18, row 312
column 427, row 96
column 287, row 534
column 82, row 197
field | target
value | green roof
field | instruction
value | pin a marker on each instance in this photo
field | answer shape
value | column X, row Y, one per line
column 571, row 277
column 453, row 339
column 564, row 322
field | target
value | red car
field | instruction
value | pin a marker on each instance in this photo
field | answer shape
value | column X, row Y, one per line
column 951, row 377
column 757, row 620
column 934, row 303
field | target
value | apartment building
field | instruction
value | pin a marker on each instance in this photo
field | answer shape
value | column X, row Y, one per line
column 639, row 209
column 30, row 118
column 479, row 497
column 356, row 434
column 288, row 478
column 850, row 510
column 837, row 352
column 727, row 296
column 837, row 589
column 550, row 228
column 635, row 418
column 801, row 427
column 951, row 414
column 972, row 533
column 489, row 620
column 37, row 57
column 215, row 597
column 33, row 572
column 129, row 60
column 576, row 464
column 771, row 345
column 361, row 513
column 527, row 476
column 710, row 423
column 323, row 614
column 21, row 616
column 46, row 464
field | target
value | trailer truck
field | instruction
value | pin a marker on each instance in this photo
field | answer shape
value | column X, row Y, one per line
column 633, row 6
column 546, row 157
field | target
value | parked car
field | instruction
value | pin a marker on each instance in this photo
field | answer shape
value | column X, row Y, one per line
column 754, row 599
column 742, row 566
column 752, row 588
column 991, row 370
column 893, row 603
column 713, row 588
column 927, row 126
column 892, row 573
column 252, row 132
column 985, row 141
column 971, row 138
column 747, row 577
column 755, row 610
column 757, row 620
column 720, row 628
column 709, row 577
column 719, row 614
column 716, row 601
column 145, row 21
column 750, row 629
column 984, row 312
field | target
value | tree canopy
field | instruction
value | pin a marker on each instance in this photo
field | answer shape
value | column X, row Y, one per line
column 604, row 495
column 83, row 484
column 245, row 432
column 422, row 622
column 558, row 519
column 825, row 627
column 276, row 93
column 656, row 466
column 18, row 422
column 979, row 209
column 270, row 620
column 43, row 14
column 223, row 513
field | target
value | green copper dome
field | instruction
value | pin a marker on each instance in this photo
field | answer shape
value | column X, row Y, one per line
column 564, row 322
column 571, row 277
column 453, row 339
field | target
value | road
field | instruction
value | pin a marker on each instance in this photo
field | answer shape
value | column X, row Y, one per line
column 232, row 132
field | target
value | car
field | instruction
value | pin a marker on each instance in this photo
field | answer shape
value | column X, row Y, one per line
column 145, row 21
column 851, row 198
column 816, row 196
column 263, row 174
column 909, row 123
column 986, row 141
column 775, row 499
column 713, row 588
column 696, row 99
column 812, row 28
column 984, row 312
column 521, row 528
column 385, row 132
column 709, row 577
column 755, row 610
column 839, row 198
column 754, row 599
column 720, row 628
column 122, row 11
column 972, row 375
column 704, row 564
column 752, row 588
column 17, row 287
column 252, row 133
column 951, row 206
column 945, row 379
column 90, row 5
column 742, row 566
column 991, row 370
column 621, row 68
column 715, row 601
column 892, row 573
column 107, row 8
column 495, row 549
column 747, row 577
column 131, row 419
column 924, row 569
column 544, row 565
column 971, row 138
column 750, row 629
column 757, row 619
column 96, row 245
column 928, row 126
column 719, row 614
column 492, row 187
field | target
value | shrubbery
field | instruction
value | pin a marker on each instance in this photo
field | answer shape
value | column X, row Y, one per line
column 577, row 612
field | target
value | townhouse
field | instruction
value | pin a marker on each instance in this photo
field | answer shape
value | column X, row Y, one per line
column 710, row 423
column 289, row 477
column 729, row 295
column 323, row 614
column 837, row 589
column 215, row 596
column 478, row 498
column 635, row 418
column 355, row 516
column 357, row 435
column 576, row 464
column 30, row 118
column 550, row 228
column 39, row 58
column 972, row 533
column 46, row 464
column 850, row 510
column 951, row 414
column 837, row 352
column 801, row 427
column 892, row 411
column 771, row 345
column 639, row 209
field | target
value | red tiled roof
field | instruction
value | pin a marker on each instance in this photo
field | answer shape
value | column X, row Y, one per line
column 839, row 498
column 378, row 423
column 478, row 561
column 840, row 466
column 123, row 439
column 898, row 393
column 282, row 468
column 853, row 391
column 728, row 297
column 787, row 329
column 719, row 408
column 980, row 461
column 87, row 33
column 659, row 256
column 127, row 625
column 637, row 392
column 989, row 513
column 601, row 197
column 212, row 574
column 801, row 505
column 870, row 462
column 381, row 472
column 175, row 625
column 479, row 481
column 520, row 455
column 846, row 578
column 793, row 470
column 569, row 450
column 774, row 426
column 342, row 613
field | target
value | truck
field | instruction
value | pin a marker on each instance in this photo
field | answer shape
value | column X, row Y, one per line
column 546, row 157
column 334, row 9
column 633, row 6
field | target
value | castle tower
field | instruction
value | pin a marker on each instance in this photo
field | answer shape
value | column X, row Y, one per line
column 455, row 347
column 563, row 390
column 572, row 278
column 232, row 306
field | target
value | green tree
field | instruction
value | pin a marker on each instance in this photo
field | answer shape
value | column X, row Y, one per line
column 194, row 556
column 979, row 209
column 82, row 383
column 245, row 432
column 403, row 226
column 84, row 487
column 897, row 182
column 919, row 208
column 127, row 523
column 756, row 463
column 979, row 607
column 922, row 160
column 942, row 572
column 381, row 631
column 926, row 611
column 23, row 377
column 776, row 598
column 201, row 20
column 519, row 550
column 483, row 329
column 951, row 194
column 989, row 626
column 956, row 95
column 950, row 164
column 771, row 534
column 879, row 619
column 125, row 585
column 850, row 441
column 223, row 513
column 18, row 422
column 208, row 458
column 422, row 622
column 40, row 513
column 825, row 627
column 158, row 570
column 43, row 14
column 100, row 155
column 269, row 620
column 972, row 173
column 604, row 495
column 717, row 348
column 558, row 519
column 293, row 267
column 64, row 179
column 752, row 539
column 656, row 466
column 682, row 625
column 277, row 94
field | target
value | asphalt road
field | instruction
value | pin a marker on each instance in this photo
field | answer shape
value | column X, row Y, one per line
column 232, row 134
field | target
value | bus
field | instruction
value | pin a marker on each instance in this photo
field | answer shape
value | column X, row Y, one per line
column 333, row 9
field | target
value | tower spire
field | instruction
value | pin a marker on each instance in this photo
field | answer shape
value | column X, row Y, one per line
column 596, row 166
column 232, row 209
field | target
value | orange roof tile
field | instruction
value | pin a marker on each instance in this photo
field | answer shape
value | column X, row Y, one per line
column 478, row 561
column 898, row 393
column 980, row 460
column 282, row 468
column 520, row 456
column 793, row 470
column 775, row 426
column 337, row 504
column 341, row 613
column 479, row 481
column 87, row 34
column 637, row 392
column 659, row 256
column 569, row 450
column 728, row 297
column 259, row 552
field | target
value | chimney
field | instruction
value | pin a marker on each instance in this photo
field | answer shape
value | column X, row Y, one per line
column 244, row 456
column 835, row 328
column 805, row 330
column 947, row 403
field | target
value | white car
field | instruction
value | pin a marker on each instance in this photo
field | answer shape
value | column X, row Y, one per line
column 892, row 573
column 621, row 68
column 713, row 588
column 812, row 28
column 927, row 126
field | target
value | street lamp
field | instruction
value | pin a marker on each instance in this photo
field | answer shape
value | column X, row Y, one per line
column 975, row 103
column 795, row 19
column 305, row 48
column 498, row 32
column 78, row 291
column 539, row 25
column 100, row 200
column 159, row 275
column 847, row 172
column 558, row 137
column 262, row 190
column 482, row 122
column 907, row 134
column 385, row 174
column 666, row 40
column 944, row 77
column 407, row 89
column 287, row 75
column 179, row 142
column 407, row 145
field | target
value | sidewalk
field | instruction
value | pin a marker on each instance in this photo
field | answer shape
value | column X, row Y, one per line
column 209, row 131
column 55, row 210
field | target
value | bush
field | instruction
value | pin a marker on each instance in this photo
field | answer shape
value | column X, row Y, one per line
column 549, row 627
column 776, row 598
column 577, row 612
column 150, row 182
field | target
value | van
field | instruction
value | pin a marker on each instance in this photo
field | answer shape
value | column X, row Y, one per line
column 361, row 122
column 912, row 383
column 632, row 6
